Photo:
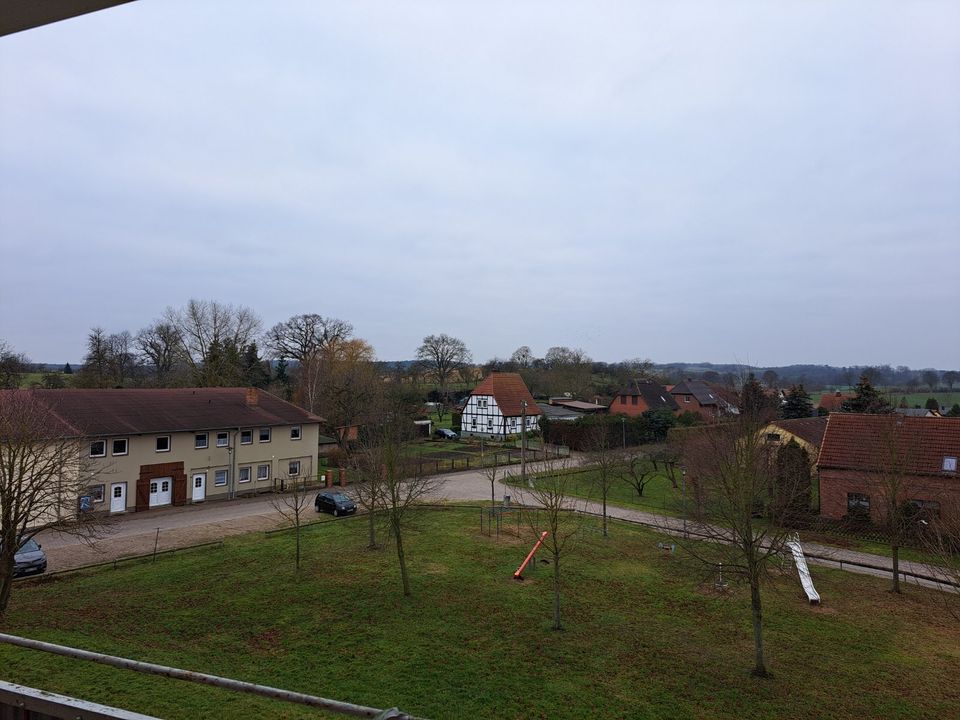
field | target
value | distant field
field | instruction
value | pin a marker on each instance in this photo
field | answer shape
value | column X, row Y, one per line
column 646, row 635
column 912, row 399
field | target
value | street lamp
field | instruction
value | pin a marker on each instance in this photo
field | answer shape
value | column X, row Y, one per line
column 683, row 491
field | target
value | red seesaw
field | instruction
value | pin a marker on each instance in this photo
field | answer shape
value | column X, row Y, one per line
column 517, row 575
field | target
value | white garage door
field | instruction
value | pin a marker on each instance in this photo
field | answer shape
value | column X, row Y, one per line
column 161, row 491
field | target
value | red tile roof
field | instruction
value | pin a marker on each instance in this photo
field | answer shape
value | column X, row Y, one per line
column 508, row 389
column 136, row 411
column 856, row 441
column 833, row 401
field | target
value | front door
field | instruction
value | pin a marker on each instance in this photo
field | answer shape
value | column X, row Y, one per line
column 199, row 487
column 118, row 497
column 161, row 490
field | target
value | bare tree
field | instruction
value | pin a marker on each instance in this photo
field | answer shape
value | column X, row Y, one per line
column 732, row 485
column 12, row 367
column 402, row 486
column 212, row 336
column 43, row 472
column 522, row 357
column 558, row 514
column 292, row 506
column 440, row 356
column 931, row 379
column 159, row 346
column 306, row 340
column 604, row 461
column 346, row 391
column 637, row 470
column 491, row 472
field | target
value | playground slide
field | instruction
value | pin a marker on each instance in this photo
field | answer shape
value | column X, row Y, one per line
column 801, row 562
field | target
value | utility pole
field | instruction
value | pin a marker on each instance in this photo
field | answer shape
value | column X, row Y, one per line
column 523, row 441
column 623, row 430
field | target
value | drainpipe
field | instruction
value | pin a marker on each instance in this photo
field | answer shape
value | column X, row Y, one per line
column 233, row 449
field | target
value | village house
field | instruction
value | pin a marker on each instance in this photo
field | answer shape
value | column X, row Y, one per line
column 704, row 399
column 806, row 432
column 859, row 449
column 149, row 448
column 640, row 396
column 498, row 408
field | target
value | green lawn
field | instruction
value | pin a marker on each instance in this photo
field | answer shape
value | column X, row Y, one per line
column 658, row 496
column 645, row 637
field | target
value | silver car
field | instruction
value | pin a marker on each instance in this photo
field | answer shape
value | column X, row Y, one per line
column 30, row 559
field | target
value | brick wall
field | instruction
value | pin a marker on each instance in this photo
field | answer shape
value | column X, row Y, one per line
column 835, row 484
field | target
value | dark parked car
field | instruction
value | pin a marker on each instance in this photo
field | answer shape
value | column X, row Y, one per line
column 30, row 559
column 335, row 503
column 446, row 434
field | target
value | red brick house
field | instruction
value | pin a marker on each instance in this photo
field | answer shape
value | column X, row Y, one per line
column 708, row 401
column 831, row 402
column 640, row 396
column 855, row 454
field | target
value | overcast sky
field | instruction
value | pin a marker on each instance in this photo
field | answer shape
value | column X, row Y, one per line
column 755, row 182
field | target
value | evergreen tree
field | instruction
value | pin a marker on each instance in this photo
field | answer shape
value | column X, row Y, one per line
column 792, row 491
column 866, row 400
column 67, row 370
column 255, row 373
column 798, row 404
column 282, row 378
column 753, row 402
column 932, row 404
column 954, row 411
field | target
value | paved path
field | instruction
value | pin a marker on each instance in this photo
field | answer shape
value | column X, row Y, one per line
column 136, row 533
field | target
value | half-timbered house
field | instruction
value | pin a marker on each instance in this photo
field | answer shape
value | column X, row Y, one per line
column 499, row 407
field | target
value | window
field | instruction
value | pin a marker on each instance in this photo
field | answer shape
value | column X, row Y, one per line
column 153, row 488
column 118, row 491
column 120, row 446
column 633, row 399
column 243, row 474
column 98, row 448
column 924, row 509
column 623, row 399
column 294, row 468
column 220, row 477
column 263, row 472
column 473, row 423
column 96, row 492
column 949, row 464
column 200, row 441
column 165, row 486
column 858, row 506
column 264, row 434
column 773, row 437
column 295, row 432
column 686, row 398
column 198, row 481
column 223, row 439
column 163, row 443
column 246, row 437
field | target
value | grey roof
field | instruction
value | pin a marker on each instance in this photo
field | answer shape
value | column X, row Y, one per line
column 654, row 394
column 704, row 394
column 556, row 412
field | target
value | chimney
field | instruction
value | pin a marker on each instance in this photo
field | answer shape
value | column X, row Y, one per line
column 252, row 397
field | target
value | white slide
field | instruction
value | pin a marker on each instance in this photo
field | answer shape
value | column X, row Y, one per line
column 801, row 562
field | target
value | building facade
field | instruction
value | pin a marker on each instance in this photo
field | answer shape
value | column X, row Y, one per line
column 499, row 407
column 148, row 449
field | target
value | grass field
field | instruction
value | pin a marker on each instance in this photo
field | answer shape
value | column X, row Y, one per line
column 645, row 637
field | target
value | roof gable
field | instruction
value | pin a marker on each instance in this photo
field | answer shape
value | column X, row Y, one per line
column 809, row 429
column 655, row 395
column 508, row 389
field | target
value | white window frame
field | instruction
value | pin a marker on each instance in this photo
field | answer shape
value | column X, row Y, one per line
column 102, row 443
column 97, row 492
column 240, row 474
column 206, row 441
column 949, row 463
column 156, row 443
column 290, row 468
column 261, row 476
column 249, row 435
column 295, row 432
column 225, row 438
column 268, row 432
column 216, row 477
column 113, row 446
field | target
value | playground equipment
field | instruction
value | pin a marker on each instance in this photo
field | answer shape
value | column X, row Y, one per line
column 801, row 562
column 518, row 575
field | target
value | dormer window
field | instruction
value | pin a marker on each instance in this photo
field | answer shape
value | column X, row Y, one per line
column 949, row 464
